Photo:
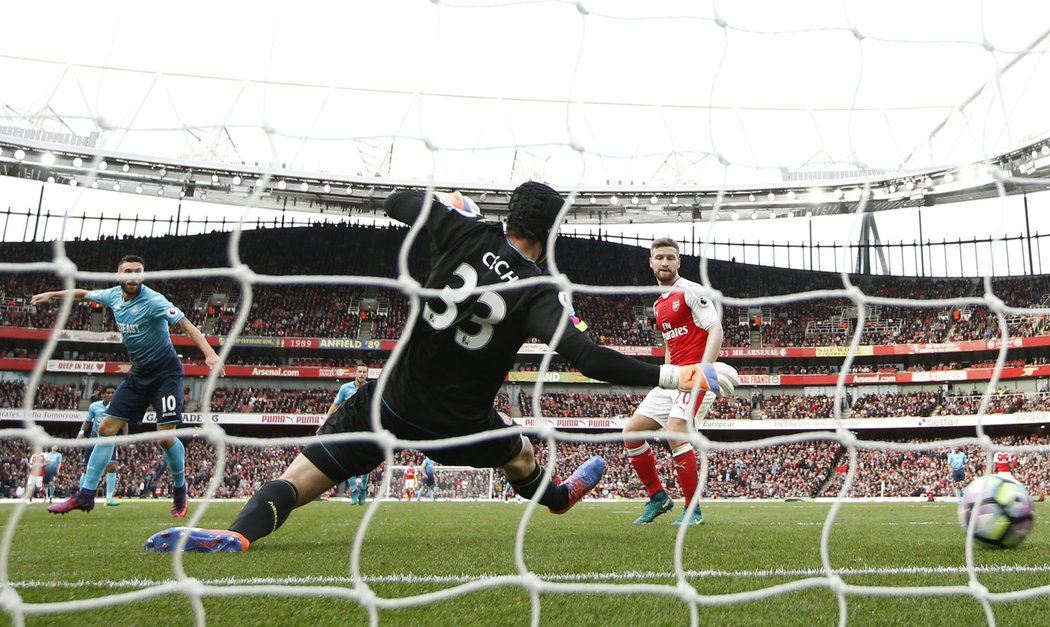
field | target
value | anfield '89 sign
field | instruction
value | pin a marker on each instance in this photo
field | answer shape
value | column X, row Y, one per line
column 349, row 344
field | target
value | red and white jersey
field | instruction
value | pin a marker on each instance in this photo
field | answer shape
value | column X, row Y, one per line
column 684, row 319
column 410, row 473
column 1004, row 462
column 36, row 465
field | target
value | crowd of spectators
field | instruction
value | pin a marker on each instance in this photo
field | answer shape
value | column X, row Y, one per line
column 788, row 470
column 892, row 472
column 567, row 404
column 574, row 405
column 326, row 310
column 316, row 400
column 329, row 310
column 258, row 399
column 48, row 395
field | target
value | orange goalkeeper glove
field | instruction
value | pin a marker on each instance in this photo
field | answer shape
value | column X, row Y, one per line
column 720, row 378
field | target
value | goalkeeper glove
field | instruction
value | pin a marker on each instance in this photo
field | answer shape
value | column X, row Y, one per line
column 459, row 202
column 718, row 377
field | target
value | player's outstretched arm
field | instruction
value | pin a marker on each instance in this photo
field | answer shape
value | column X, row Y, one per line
column 405, row 206
column 718, row 377
column 210, row 356
column 43, row 297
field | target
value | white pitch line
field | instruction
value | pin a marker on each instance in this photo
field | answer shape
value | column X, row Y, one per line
column 408, row 578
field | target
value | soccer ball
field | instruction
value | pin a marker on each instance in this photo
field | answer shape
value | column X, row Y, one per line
column 1003, row 509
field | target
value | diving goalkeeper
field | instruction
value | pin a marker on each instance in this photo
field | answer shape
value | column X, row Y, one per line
column 472, row 338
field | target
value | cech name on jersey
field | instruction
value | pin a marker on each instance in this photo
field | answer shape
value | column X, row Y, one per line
column 494, row 262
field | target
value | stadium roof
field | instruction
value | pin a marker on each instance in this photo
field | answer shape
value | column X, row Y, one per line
column 650, row 111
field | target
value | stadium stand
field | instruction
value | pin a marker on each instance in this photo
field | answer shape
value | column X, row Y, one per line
column 953, row 374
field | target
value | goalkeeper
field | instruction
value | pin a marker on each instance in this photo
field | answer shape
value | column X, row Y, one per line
column 692, row 331
column 472, row 338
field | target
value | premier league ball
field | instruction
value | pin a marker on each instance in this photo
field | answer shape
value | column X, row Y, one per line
column 1002, row 507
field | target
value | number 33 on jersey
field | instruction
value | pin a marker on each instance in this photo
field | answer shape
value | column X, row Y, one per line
column 453, row 297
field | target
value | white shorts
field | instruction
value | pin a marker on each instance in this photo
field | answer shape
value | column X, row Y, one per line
column 36, row 482
column 410, row 484
column 660, row 404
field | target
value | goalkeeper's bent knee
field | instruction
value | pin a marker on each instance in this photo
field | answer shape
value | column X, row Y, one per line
column 267, row 510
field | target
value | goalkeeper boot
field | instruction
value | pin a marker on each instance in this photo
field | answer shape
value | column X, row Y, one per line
column 179, row 505
column 583, row 481
column 696, row 518
column 83, row 500
column 197, row 541
column 658, row 504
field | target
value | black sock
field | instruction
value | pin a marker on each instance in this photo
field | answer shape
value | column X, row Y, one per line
column 267, row 510
column 555, row 497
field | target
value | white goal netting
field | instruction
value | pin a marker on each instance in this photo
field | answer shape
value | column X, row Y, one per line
column 654, row 113
column 451, row 483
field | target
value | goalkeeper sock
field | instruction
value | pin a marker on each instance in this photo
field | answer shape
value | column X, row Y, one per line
column 175, row 456
column 267, row 510
column 685, row 467
column 556, row 497
column 644, row 463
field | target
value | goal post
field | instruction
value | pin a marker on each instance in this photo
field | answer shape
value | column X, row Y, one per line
column 452, row 483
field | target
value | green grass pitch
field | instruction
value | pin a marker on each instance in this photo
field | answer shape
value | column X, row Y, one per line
column 414, row 549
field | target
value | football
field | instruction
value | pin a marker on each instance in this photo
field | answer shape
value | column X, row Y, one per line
column 1002, row 507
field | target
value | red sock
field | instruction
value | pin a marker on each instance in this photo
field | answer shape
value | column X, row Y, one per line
column 685, row 468
column 644, row 463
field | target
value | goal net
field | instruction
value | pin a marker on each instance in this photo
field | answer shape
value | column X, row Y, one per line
column 802, row 120
column 451, row 483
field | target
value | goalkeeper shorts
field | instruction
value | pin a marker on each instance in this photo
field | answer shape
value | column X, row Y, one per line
column 341, row 460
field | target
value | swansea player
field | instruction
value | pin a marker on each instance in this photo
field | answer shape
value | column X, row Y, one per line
column 52, row 464
column 358, row 488
column 957, row 463
column 143, row 317
column 429, row 480
column 692, row 332
column 473, row 338
column 96, row 412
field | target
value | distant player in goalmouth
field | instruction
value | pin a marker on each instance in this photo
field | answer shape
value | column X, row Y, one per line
column 472, row 338
column 957, row 462
column 429, row 481
column 52, row 464
column 1004, row 464
column 37, row 461
column 96, row 412
column 408, row 488
column 143, row 317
